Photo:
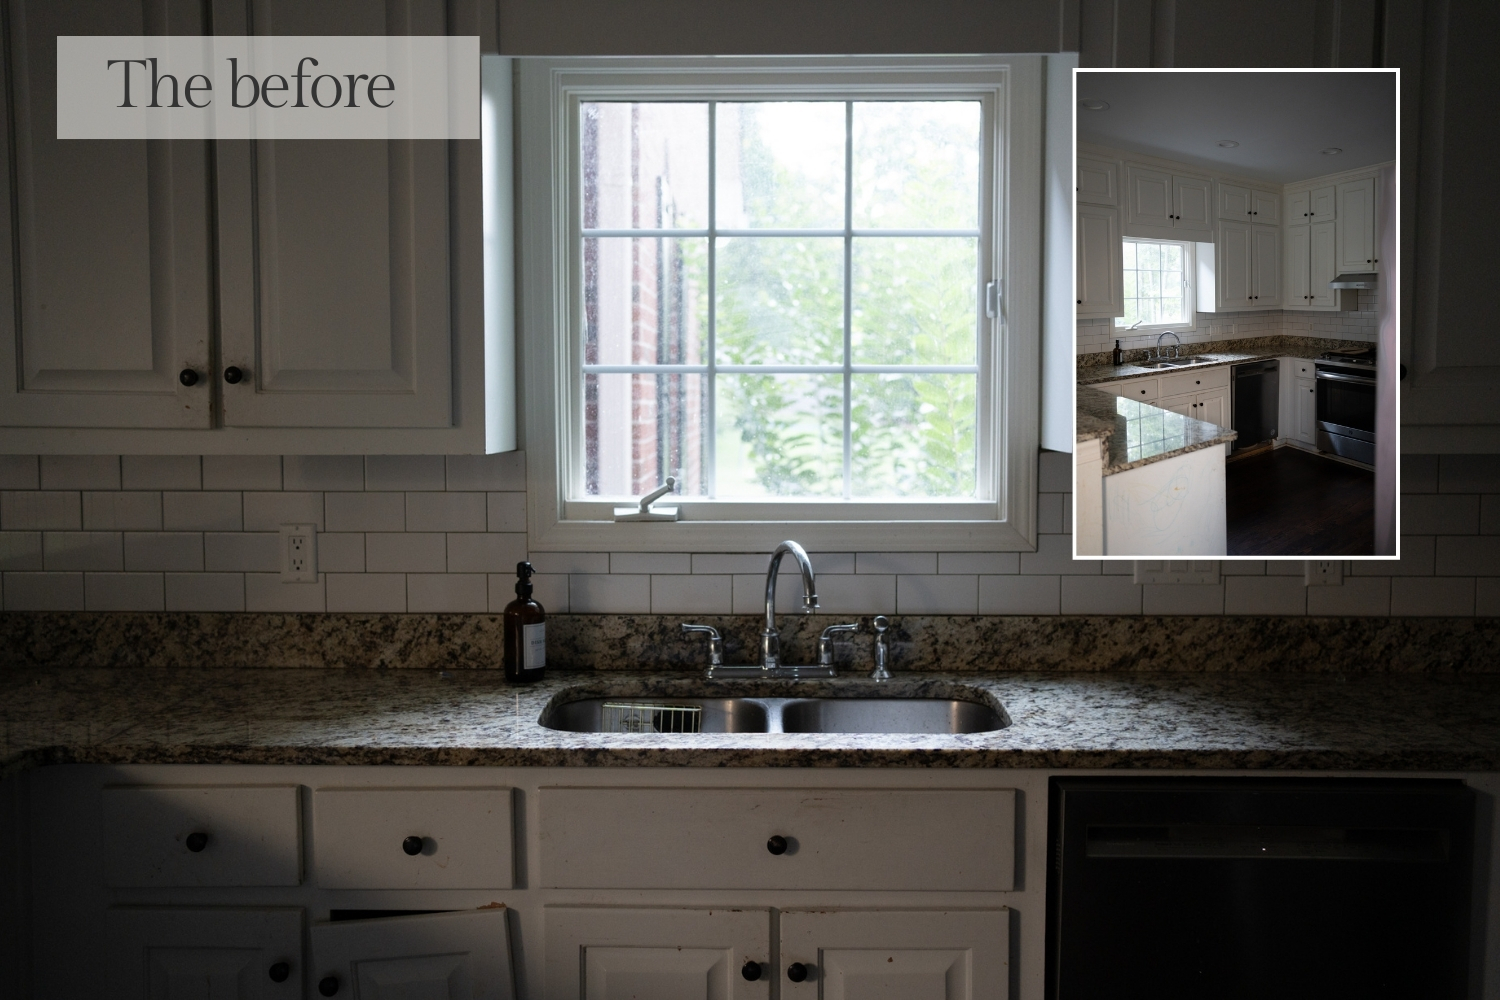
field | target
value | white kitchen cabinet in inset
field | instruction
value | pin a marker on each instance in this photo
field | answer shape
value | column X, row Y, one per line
column 1266, row 248
column 1298, row 266
column 413, row 838
column 209, row 835
column 836, row 954
column 1099, row 272
column 1357, row 250
column 1248, row 266
column 205, row 953
column 1143, row 389
column 674, row 953
column 1207, row 400
column 1307, row 410
column 1244, row 204
column 460, row 955
column 1097, row 182
column 1162, row 205
column 1310, row 260
column 1313, row 205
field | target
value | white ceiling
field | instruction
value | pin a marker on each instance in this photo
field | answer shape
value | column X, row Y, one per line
column 1280, row 120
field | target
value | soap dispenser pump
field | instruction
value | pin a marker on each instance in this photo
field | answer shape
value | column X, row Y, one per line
column 525, row 632
column 1119, row 354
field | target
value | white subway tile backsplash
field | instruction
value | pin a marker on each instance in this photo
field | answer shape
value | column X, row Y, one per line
column 19, row 472
column 269, row 511
column 20, row 550
column 506, row 511
column 158, row 551
column 409, row 552
column 1117, row 567
column 205, row 591
column 1432, row 595
column 506, row 471
column 485, row 553
column 1419, row 473
column 1242, row 567
column 80, row 472
column 951, row 594
column 1287, row 567
column 735, row 562
column 340, row 552
column 201, row 512
column 1265, row 595
column 1489, row 514
column 40, row 511
column 1100, row 595
column 979, row 562
column 365, row 511
column 1456, row 474
column 1182, row 599
column 405, row 472
column 1054, row 555
column 161, row 472
column 550, row 590
column 650, row 562
column 1049, row 514
column 570, row 562
column 1440, row 514
column 892, row 562
column 839, row 563
column 323, row 473
column 242, row 552
column 750, row 594
column 1055, row 472
column 445, row 512
column 266, row 592
column 242, row 472
column 1418, row 553
column 1019, row 595
column 852, row 594
column 123, row 592
column 122, row 511
column 705, row 594
column 384, row 592
column 1357, row 595
column 1487, row 597
column 82, row 550
column 596, row 593
column 450, row 593
column 43, row 591
column 1468, row 556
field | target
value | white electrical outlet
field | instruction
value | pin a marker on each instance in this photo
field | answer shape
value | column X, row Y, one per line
column 299, row 553
column 1199, row 571
column 1325, row 572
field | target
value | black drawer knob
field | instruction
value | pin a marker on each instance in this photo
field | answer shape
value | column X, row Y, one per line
column 776, row 845
column 279, row 972
column 197, row 841
column 751, row 971
column 188, row 377
column 796, row 972
column 232, row 375
column 412, row 846
column 328, row 985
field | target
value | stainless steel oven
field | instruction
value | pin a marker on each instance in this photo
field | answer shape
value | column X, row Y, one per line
column 1346, row 412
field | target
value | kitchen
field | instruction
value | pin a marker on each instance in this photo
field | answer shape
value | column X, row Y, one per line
column 160, row 676
column 1239, row 284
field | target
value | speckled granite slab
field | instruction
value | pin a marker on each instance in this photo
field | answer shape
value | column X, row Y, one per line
column 1132, row 434
column 475, row 718
column 1093, row 368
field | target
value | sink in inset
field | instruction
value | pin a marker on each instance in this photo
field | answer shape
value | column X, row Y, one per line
column 668, row 716
column 888, row 715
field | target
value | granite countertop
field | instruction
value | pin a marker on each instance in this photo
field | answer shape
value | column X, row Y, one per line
column 1132, row 433
column 474, row 717
column 1118, row 373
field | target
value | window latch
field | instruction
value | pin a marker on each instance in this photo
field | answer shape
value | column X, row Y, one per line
column 643, row 511
column 992, row 299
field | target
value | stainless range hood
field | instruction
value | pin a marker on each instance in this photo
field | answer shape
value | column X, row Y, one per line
column 1361, row 280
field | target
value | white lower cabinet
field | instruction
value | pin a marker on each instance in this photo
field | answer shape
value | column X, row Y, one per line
column 181, row 953
column 1307, row 410
column 1212, row 406
column 429, row 956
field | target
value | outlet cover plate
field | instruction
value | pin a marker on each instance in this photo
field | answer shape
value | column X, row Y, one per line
column 1199, row 571
column 299, row 553
column 1324, row 572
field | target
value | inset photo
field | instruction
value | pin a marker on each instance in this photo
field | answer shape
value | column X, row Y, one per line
column 1237, row 302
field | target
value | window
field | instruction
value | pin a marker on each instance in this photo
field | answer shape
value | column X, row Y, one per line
column 767, row 279
column 1158, row 284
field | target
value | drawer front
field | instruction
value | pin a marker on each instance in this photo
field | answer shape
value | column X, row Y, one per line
column 692, row 838
column 361, row 838
column 1195, row 381
column 221, row 835
column 1142, row 389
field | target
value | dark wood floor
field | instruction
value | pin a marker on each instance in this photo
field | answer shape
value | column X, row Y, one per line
column 1290, row 503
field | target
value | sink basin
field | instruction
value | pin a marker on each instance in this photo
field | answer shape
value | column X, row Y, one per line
column 672, row 716
column 1176, row 363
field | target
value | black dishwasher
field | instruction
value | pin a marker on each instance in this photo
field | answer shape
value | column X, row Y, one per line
column 1255, row 398
column 1248, row 887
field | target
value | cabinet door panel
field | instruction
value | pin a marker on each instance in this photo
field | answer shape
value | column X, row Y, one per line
column 1307, row 410
column 1267, row 244
column 1099, row 274
column 335, row 280
column 1298, row 208
column 462, row 955
column 253, row 835
column 1179, row 404
column 112, row 236
column 1321, row 202
column 1234, row 202
column 1233, row 275
column 891, row 954
column 1265, row 208
column 1356, row 226
column 1148, row 197
column 1320, row 267
column 359, row 836
column 1098, row 182
column 1298, row 247
column 160, row 953
column 1214, row 407
column 1193, row 199
column 671, row 953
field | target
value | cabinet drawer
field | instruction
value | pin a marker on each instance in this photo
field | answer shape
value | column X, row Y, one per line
column 1195, row 381
column 223, row 835
column 952, row 840
column 1142, row 389
column 1303, row 369
column 362, row 838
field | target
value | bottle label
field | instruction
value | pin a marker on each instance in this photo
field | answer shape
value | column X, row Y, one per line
column 534, row 646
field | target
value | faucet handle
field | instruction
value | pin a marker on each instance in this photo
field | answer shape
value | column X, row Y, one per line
column 882, row 649
column 825, row 642
column 715, row 644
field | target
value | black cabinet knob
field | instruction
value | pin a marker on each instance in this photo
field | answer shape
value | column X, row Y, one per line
column 232, row 375
column 328, row 985
column 796, row 972
column 197, row 841
column 751, row 971
column 187, row 377
column 776, row 845
column 412, row 846
column 279, row 972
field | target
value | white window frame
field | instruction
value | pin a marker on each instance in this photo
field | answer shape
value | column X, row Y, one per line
column 1189, row 285
column 549, row 93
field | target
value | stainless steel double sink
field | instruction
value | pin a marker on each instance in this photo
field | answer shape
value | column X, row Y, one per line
column 670, row 715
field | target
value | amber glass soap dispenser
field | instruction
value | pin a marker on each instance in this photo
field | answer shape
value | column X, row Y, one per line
column 525, row 632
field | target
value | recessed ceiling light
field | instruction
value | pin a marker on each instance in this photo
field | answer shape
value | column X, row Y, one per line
column 1228, row 143
column 1095, row 105
column 1332, row 151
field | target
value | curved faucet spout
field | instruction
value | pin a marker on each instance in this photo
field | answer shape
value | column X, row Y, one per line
column 770, row 638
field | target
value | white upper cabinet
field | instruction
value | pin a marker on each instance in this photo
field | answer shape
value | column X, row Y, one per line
column 1233, row 284
column 1321, row 268
column 1321, row 204
column 1298, row 270
column 1098, row 270
column 1165, row 205
column 1148, row 197
column 1243, row 204
column 1098, row 182
column 111, row 300
column 1298, row 207
column 1356, row 226
column 1266, row 250
column 1265, row 208
column 1192, row 198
